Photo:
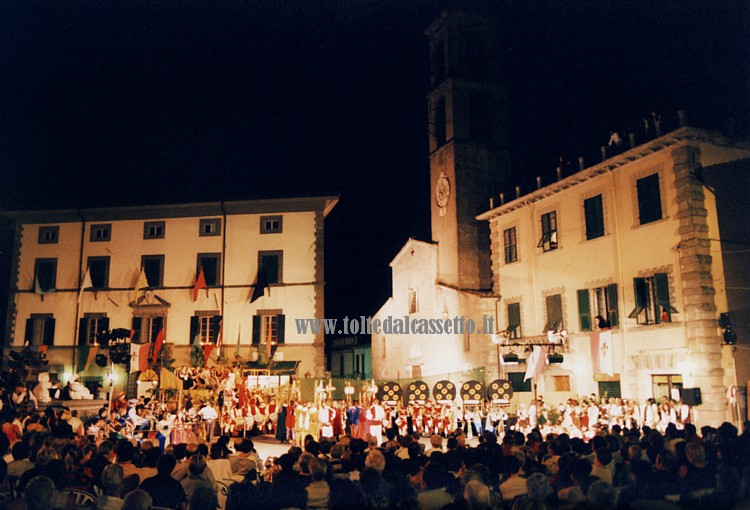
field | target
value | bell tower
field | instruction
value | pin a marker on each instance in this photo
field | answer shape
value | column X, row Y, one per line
column 468, row 142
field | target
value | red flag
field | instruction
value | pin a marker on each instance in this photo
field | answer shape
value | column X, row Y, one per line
column 200, row 283
column 143, row 357
column 158, row 344
column 207, row 348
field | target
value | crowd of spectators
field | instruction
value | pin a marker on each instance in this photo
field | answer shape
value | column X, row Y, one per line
column 46, row 465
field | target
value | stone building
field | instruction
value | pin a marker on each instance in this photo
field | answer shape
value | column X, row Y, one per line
column 635, row 240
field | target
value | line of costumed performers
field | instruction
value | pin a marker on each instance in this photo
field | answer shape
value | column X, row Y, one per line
column 220, row 401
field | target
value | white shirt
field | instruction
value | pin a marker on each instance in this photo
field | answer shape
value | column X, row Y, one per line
column 208, row 413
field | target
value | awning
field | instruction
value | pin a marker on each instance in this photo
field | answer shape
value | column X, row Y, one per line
column 274, row 368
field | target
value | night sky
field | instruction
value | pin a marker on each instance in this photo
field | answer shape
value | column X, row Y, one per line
column 124, row 103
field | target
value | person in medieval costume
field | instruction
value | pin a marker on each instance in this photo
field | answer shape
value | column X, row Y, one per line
column 375, row 415
column 281, row 423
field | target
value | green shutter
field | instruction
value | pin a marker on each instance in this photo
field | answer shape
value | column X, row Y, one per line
column 256, row 329
column 82, row 330
column 49, row 331
column 661, row 290
column 194, row 329
column 137, row 328
column 614, row 314
column 640, row 288
column 584, row 309
column 280, row 328
column 215, row 328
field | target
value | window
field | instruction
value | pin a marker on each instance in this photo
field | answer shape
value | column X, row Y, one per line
column 49, row 235
column 45, row 274
column 90, row 326
column 154, row 230
column 511, row 248
column 205, row 327
column 40, row 329
column 517, row 382
column 271, row 224
column 153, row 267
column 440, row 121
column 101, row 232
column 594, row 216
column 548, row 242
column 268, row 327
column 210, row 227
column 413, row 303
column 649, row 199
column 514, row 320
column 561, row 383
column 668, row 386
column 99, row 269
column 211, row 264
column 610, row 389
column 270, row 262
column 554, row 313
column 593, row 304
column 652, row 305
column 147, row 328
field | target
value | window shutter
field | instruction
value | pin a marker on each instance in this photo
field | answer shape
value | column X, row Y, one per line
column 640, row 288
column 661, row 289
column 614, row 315
column 194, row 329
column 157, row 324
column 49, row 331
column 29, row 335
column 137, row 328
column 592, row 209
column 82, row 331
column 280, row 328
column 584, row 309
column 256, row 329
column 215, row 328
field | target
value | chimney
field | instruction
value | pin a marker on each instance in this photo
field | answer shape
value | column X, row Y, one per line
column 538, row 182
column 518, row 191
column 603, row 148
column 632, row 140
column 492, row 203
column 581, row 163
column 502, row 198
column 559, row 173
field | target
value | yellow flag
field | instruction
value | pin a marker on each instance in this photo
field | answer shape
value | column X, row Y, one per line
column 142, row 283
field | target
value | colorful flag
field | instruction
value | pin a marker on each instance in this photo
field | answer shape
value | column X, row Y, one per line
column 536, row 362
column 200, row 283
column 88, row 354
column 142, row 283
column 158, row 344
column 139, row 357
column 605, row 352
column 87, row 284
column 207, row 348
column 261, row 284
column 39, row 290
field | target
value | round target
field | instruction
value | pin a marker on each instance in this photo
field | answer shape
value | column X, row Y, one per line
column 444, row 392
column 500, row 391
column 390, row 393
column 417, row 392
column 472, row 392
